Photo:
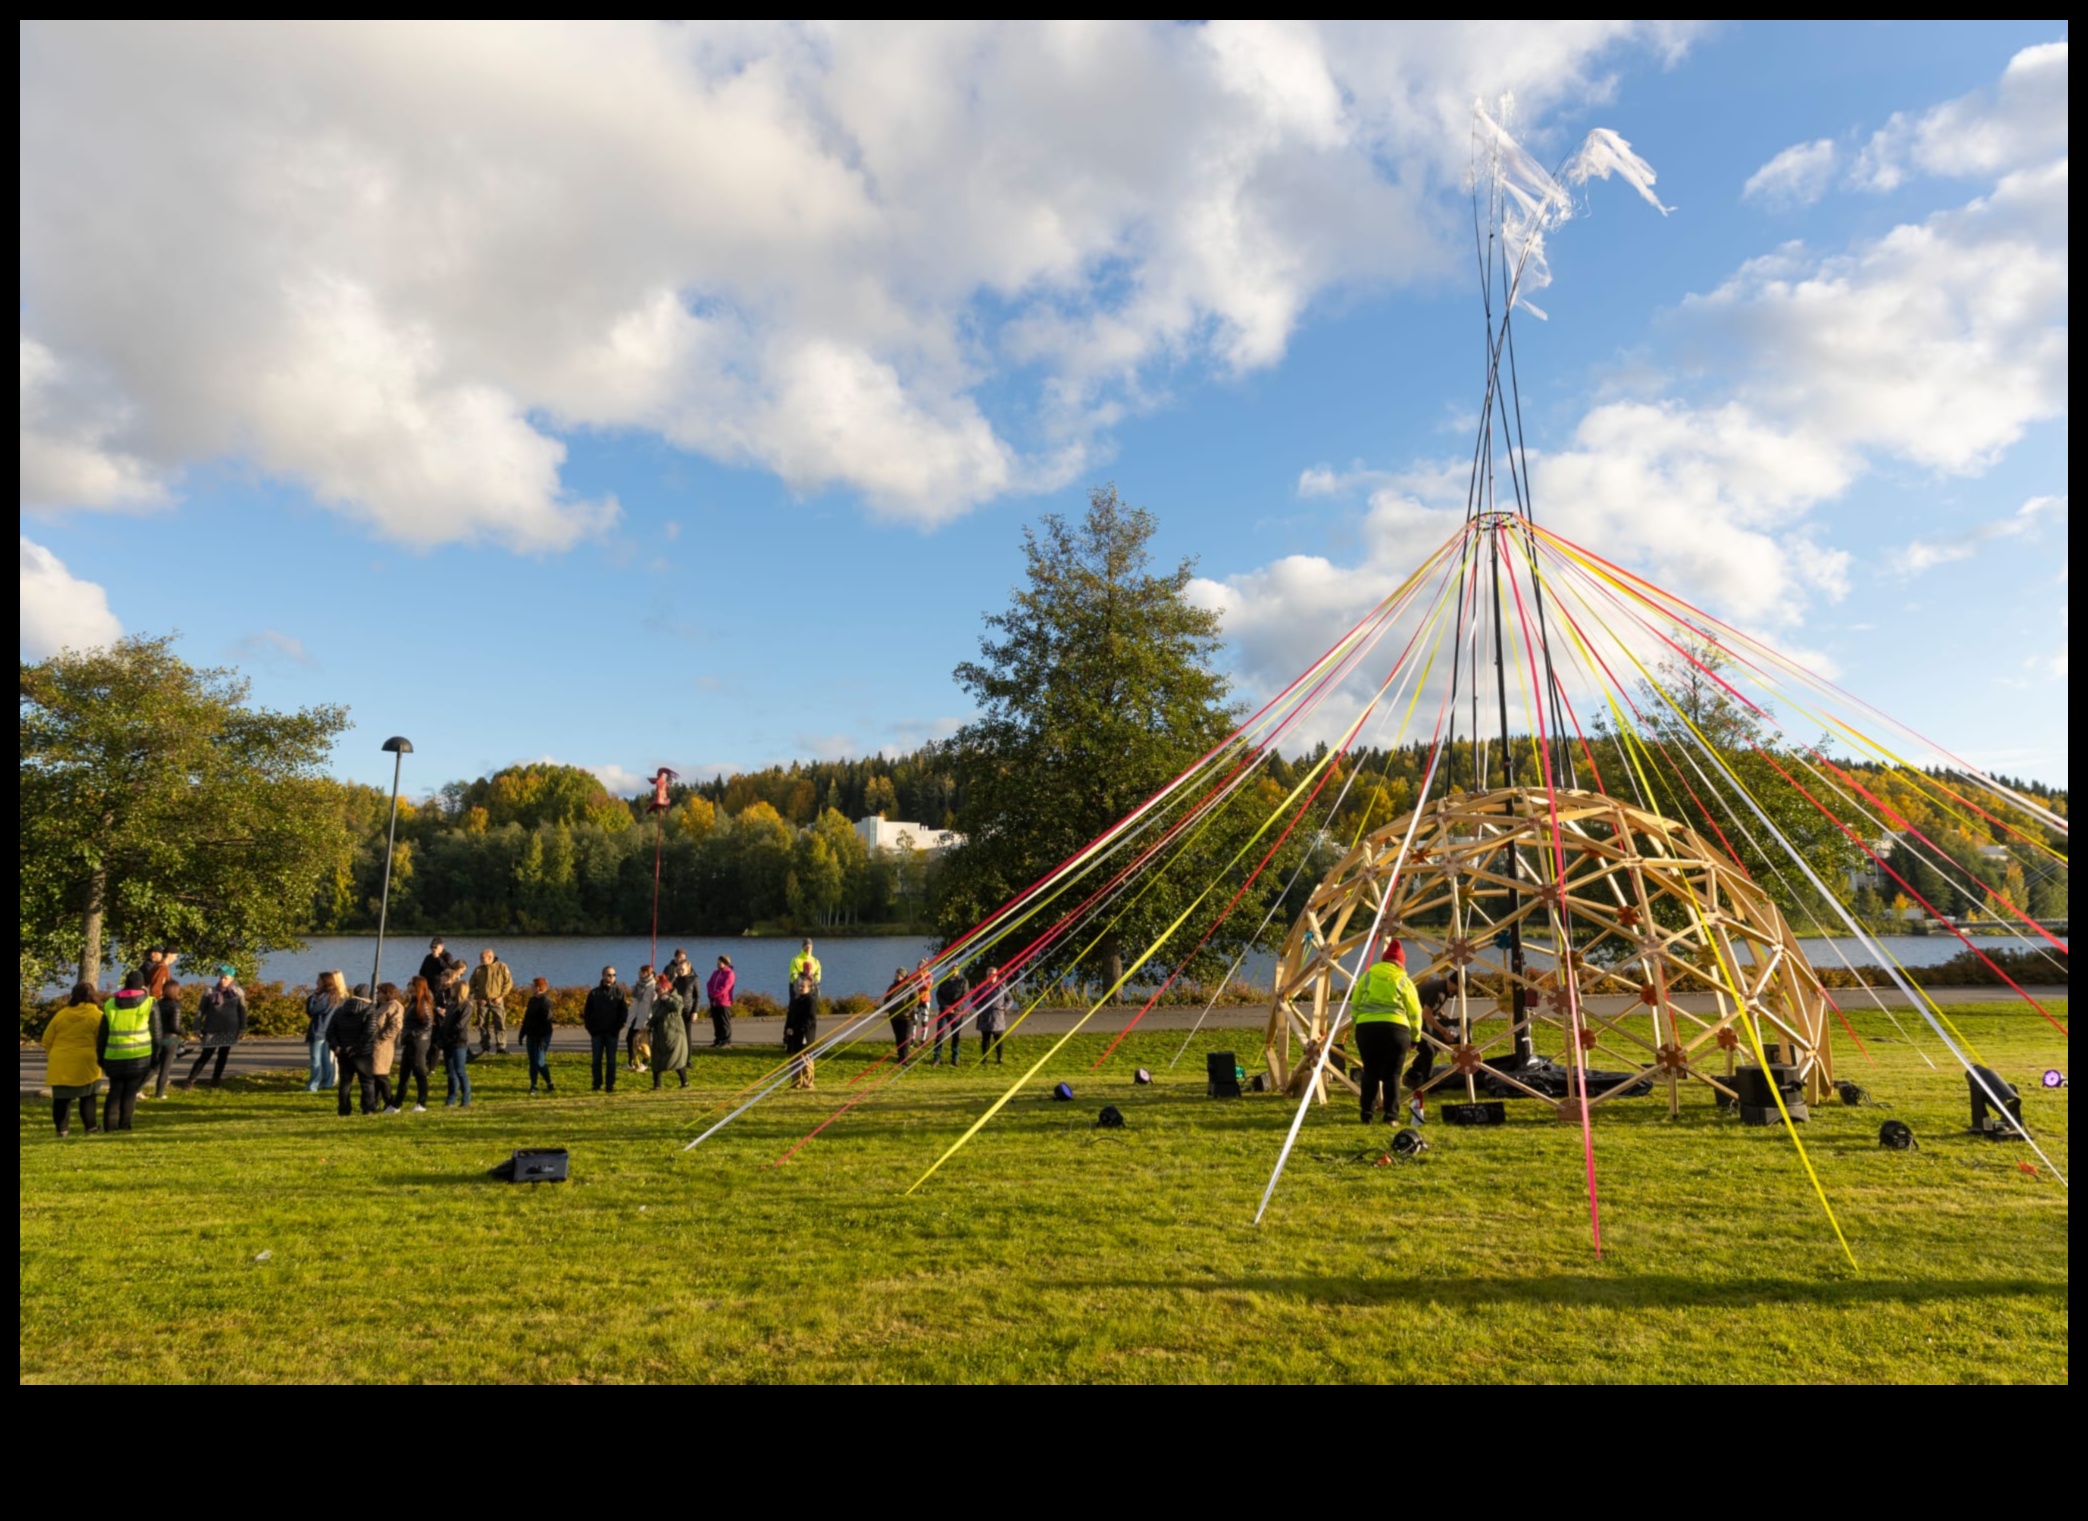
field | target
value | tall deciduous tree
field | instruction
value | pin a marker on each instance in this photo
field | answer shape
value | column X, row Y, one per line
column 1095, row 688
column 159, row 808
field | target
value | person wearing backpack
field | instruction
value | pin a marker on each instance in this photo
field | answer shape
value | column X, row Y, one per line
column 345, row 1033
column 223, row 1017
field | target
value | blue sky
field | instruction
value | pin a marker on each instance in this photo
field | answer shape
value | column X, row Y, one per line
column 631, row 396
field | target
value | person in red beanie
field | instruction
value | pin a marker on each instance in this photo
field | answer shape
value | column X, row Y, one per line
column 1386, row 1009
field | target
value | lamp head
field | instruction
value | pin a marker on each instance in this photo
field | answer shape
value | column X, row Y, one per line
column 398, row 744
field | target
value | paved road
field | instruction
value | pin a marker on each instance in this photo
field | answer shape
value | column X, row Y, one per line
column 277, row 1054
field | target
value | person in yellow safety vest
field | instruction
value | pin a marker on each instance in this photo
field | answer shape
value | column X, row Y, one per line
column 129, row 1032
column 803, row 961
column 1386, row 1010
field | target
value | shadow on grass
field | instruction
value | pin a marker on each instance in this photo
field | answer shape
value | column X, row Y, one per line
column 1561, row 1290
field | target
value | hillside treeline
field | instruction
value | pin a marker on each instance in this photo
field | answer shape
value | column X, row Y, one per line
column 546, row 849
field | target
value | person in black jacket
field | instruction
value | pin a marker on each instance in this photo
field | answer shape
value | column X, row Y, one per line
column 453, row 1035
column 222, row 1015
column 950, row 995
column 606, row 1013
column 435, row 963
column 536, row 1034
column 345, row 1032
column 416, row 1036
column 168, row 1040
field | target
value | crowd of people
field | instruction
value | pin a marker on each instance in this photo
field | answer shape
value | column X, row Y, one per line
column 376, row 1049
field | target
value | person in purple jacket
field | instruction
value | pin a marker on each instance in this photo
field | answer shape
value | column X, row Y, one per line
column 719, row 990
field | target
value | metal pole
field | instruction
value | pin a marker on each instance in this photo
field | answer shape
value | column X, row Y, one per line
column 659, row 842
column 1524, row 1048
column 391, row 839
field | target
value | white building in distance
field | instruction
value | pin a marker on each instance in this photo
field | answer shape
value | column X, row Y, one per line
column 880, row 833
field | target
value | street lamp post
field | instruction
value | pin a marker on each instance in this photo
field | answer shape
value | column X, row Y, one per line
column 399, row 748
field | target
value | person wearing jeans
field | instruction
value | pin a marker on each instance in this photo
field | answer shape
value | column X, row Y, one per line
column 536, row 1034
column 328, row 995
column 606, row 1013
column 453, row 1039
column 169, row 1036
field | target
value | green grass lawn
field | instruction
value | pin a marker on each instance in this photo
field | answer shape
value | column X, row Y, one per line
column 1046, row 1250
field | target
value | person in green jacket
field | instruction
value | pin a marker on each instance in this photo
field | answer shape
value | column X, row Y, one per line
column 670, row 1035
column 1386, row 1010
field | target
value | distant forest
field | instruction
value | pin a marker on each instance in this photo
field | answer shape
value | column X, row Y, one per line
column 545, row 849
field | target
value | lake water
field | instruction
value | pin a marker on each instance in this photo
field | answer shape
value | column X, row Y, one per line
column 850, row 964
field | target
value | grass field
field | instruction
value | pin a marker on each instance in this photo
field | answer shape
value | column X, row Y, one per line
column 1046, row 1250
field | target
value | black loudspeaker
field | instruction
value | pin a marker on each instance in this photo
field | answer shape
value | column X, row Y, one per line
column 1765, row 1114
column 1753, row 1084
column 1493, row 1113
column 2004, row 1124
column 1222, row 1069
column 544, row 1165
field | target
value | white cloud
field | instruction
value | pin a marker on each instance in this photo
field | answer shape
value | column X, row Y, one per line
column 826, row 746
column 60, row 611
column 1798, row 176
column 2027, row 521
column 1936, row 344
column 65, row 455
column 394, row 262
column 272, row 645
column 2021, row 121
column 620, row 781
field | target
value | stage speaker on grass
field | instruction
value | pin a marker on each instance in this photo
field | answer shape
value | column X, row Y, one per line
column 534, row 1165
column 2004, row 1123
column 1222, row 1070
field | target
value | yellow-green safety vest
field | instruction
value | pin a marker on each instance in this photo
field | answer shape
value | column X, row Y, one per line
column 1386, row 994
column 130, row 1031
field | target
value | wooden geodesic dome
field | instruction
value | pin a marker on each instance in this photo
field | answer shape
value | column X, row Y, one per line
column 1674, row 949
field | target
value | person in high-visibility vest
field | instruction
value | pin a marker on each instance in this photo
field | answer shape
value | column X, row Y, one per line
column 129, row 1034
column 1386, row 1010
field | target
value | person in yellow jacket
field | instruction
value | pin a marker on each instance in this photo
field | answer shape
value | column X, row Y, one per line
column 491, row 982
column 805, row 961
column 69, row 1042
column 1386, row 1010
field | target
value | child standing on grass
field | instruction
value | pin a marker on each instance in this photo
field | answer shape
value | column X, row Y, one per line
column 536, row 1033
column 69, row 1041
